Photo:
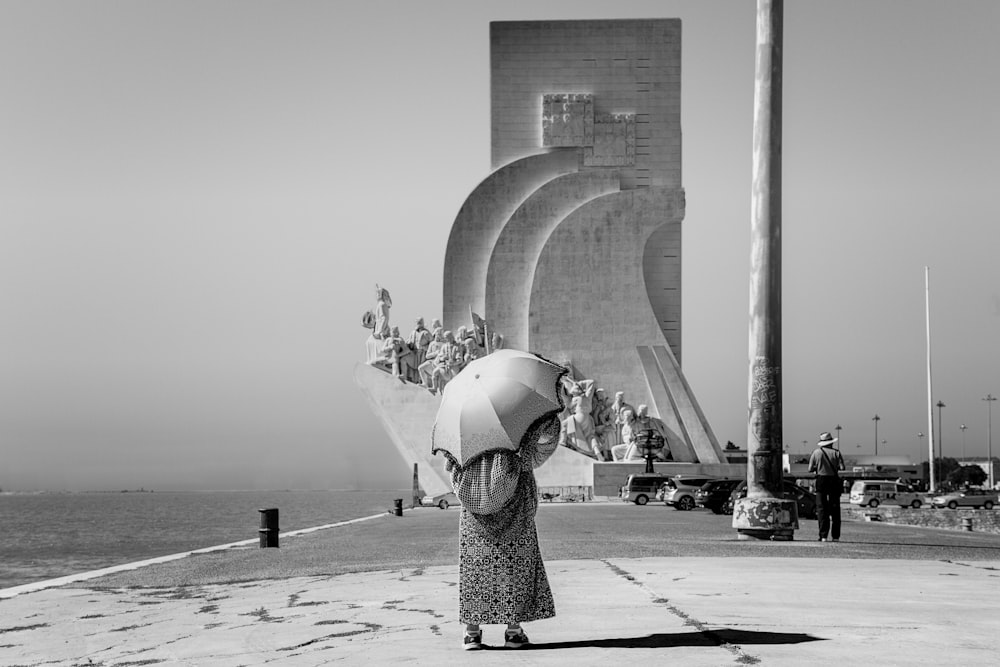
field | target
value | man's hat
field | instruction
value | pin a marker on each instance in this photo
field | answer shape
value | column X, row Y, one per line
column 826, row 439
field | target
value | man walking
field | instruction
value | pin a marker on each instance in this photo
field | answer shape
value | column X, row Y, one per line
column 827, row 463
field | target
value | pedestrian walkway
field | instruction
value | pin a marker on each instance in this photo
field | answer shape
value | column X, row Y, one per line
column 691, row 611
column 630, row 583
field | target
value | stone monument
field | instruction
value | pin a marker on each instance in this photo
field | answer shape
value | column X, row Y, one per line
column 571, row 246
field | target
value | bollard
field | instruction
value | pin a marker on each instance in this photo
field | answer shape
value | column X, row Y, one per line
column 967, row 524
column 268, row 528
column 397, row 507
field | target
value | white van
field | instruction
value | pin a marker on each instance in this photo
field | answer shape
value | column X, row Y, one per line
column 641, row 487
column 872, row 494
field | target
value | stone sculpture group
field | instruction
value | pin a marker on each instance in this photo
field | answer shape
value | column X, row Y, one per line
column 610, row 430
column 429, row 357
column 592, row 425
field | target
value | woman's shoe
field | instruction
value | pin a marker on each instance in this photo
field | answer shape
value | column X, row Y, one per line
column 515, row 638
column 473, row 641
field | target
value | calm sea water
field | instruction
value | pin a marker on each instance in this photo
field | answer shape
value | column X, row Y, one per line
column 48, row 535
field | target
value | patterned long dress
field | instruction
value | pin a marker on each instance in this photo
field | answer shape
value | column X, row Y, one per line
column 501, row 575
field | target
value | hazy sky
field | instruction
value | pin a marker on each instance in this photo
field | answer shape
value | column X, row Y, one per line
column 197, row 198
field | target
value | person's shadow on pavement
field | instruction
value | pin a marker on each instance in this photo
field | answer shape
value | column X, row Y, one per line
column 723, row 637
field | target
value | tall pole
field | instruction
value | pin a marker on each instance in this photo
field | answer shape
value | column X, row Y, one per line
column 940, row 406
column 764, row 513
column 989, row 398
column 417, row 496
column 876, row 419
column 930, row 390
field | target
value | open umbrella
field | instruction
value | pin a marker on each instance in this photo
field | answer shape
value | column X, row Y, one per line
column 493, row 402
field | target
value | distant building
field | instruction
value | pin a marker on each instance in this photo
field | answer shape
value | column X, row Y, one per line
column 859, row 467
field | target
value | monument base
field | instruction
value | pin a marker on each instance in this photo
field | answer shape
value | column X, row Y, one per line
column 765, row 518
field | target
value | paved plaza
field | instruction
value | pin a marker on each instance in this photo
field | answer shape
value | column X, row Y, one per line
column 630, row 583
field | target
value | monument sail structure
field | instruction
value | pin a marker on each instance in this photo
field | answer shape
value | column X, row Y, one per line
column 571, row 246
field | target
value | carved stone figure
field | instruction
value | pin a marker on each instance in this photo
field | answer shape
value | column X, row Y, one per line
column 604, row 423
column 375, row 350
column 400, row 355
column 445, row 363
column 426, row 369
column 578, row 428
column 458, row 352
column 418, row 342
column 471, row 352
column 382, row 306
column 626, row 450
column 617, row 408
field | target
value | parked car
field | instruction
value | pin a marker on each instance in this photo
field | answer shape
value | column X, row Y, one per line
column 714, row 494
column 969, row 498
column 804, row 499
column 443, row 500
column 678, row 491
column 867, row 493
column 640, row 487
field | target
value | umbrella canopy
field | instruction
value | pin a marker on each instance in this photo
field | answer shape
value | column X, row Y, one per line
column 493, row 402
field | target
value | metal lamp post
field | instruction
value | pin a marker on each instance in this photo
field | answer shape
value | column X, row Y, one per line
column 940, row 407
column 989, row 398
column 876, row 419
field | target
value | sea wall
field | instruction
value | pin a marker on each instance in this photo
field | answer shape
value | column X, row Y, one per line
column 985, row 521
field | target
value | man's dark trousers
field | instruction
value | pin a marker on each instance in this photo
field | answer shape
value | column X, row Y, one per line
column 828, row 490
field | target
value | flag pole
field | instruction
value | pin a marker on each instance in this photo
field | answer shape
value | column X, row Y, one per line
column 930, row 389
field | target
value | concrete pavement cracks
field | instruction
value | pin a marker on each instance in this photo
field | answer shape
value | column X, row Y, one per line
column 629, row 582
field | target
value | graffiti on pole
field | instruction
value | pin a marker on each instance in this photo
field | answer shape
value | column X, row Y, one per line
column 765, row 407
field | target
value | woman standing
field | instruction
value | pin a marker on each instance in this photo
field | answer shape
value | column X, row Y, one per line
column 501, row 574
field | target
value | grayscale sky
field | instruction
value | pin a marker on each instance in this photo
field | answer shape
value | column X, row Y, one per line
column 197, row 199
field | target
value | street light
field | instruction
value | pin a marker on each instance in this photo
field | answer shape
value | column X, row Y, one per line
column 649, row 443
column 963, row 427
column 989, row 398
column 920, row 445
column 940, row 405
column 876, row 419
